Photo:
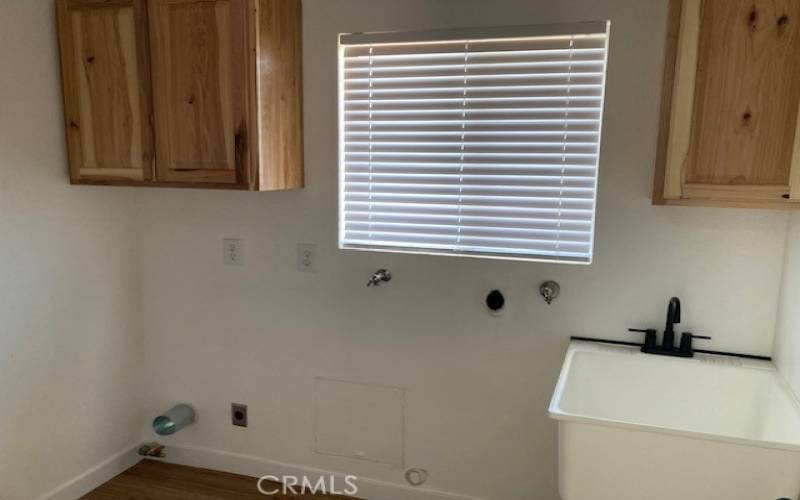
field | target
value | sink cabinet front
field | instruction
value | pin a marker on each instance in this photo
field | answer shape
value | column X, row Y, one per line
column 607, row 463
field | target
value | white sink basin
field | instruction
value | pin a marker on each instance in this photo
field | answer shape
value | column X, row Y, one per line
column 635, row 426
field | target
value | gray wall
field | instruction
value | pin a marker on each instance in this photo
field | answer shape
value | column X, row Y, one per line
column 787, row 336
column 100, row 285
column 478, row 386
column 70, row 342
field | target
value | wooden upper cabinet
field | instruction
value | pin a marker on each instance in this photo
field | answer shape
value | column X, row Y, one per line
column 200, row 55
column 105, row 69
column 183, row 93
column 730, row 106
column 279, row 58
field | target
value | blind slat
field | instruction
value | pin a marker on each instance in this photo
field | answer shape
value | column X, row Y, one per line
column 474, row 168
column 481, row 147
column 444, row 208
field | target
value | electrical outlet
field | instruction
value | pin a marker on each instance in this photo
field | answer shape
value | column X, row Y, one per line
column 233, row 252
column 239, row 415
column 307, row 258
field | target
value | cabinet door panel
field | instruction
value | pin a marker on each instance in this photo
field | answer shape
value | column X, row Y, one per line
column 747, row 93
column 200, row 50
column 729, row 130
column 106, row 80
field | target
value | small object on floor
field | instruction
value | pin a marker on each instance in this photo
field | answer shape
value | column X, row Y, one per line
column 152, row 450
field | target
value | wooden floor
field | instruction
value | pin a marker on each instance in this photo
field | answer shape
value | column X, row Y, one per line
column 151, row 480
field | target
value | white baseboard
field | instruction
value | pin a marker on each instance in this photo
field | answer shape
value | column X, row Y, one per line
column 247, row 465
column 96, row 476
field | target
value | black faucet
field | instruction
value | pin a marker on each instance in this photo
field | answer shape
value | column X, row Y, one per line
column 667, row 347
column 673, row 318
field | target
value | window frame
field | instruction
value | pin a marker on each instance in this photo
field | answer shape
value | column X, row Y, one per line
column 479, row 34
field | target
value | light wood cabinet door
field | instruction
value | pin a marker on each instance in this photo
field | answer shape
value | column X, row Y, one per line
column 106, row 83
column 280, row 94
column 201, row 91
column 730, row 107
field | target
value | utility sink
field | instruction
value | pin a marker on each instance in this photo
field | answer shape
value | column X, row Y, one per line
column 635, row 426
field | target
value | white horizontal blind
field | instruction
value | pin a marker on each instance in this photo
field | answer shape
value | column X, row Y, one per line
column 482, row 147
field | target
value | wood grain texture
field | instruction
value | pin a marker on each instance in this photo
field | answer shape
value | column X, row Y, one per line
column 744, row 106
column 683, row 91
column 151, row 480
column 107, row 100
column 200, row 79
column 183, row 93
column 668, row 87
column 280, row 94
column 747, row 93
column 794, row 174
column 745, row 202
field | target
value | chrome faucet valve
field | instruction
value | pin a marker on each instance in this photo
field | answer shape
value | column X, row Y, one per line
column 380, row 276
column 549, row 290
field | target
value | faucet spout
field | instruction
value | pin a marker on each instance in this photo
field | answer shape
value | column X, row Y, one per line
column 673, row 318
column 667, row 347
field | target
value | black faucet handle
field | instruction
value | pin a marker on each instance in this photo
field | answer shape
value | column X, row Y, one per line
column 649, row 338
column 686, row 340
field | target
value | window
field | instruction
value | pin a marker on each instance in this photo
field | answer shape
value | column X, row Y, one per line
column 470, row 142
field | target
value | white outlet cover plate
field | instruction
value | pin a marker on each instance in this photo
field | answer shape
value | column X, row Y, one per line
column 233, row 251
column 307, row 258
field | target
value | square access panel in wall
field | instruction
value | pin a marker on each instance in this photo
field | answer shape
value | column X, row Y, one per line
column 360, row 421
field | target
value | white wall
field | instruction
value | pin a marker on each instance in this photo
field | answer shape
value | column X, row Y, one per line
column 478, row 386
column 787, row 337
column 70, row 351
column 99, row 285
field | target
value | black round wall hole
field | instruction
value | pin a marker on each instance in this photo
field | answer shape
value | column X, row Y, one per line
column 495, row 301
column 238, row 415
